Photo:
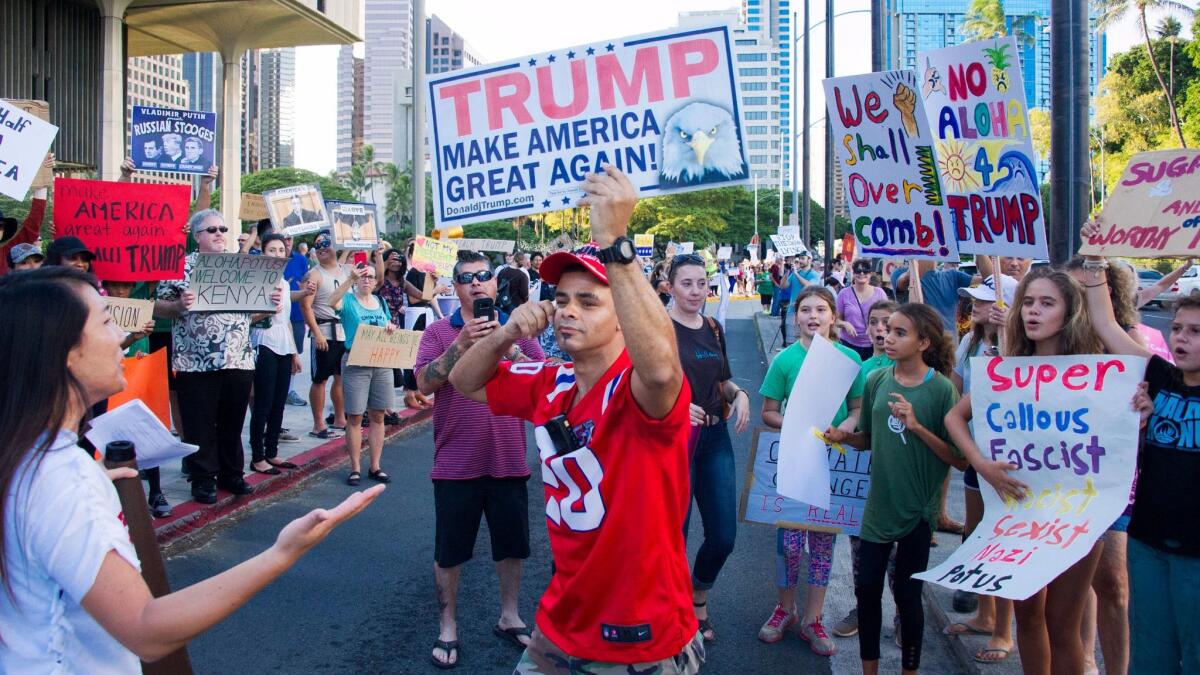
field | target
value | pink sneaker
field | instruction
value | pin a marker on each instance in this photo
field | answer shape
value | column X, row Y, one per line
column 773, row 630
column 816, row 637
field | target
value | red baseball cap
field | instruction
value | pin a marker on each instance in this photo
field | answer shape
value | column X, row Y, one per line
column 553, row 266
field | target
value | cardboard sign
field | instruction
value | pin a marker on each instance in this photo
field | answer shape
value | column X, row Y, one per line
column 725, row 253
column 375, row 347
column 130, row 314
column 975, row 103
column 253, row 207
column 849, row 483
column 501, row 245
column 792, row 231
column 136, row 230
column 787, row 245
column 518, row 137
column 355, row 225
column 1066, row 423
column 889, row 170
column 432, row 255
column 232, row 282
column 644, row 243
column 686, row 247
column 40, row 110
column 297, row 210
column 672, row 249
column 1154, row 211
column 25, row 139
column 165, row 139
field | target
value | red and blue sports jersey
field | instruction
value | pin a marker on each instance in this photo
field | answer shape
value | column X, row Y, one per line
column 615, row 507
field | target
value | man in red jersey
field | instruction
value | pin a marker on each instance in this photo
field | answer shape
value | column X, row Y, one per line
column 612, row 430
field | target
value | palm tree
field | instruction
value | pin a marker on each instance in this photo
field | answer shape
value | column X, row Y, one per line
column 1169, row 29
column 399, row 195
column 1112, row 11
column 986, row 19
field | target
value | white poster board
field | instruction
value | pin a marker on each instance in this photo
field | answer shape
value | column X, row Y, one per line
column 24, row 142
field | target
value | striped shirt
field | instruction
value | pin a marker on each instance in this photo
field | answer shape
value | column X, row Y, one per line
column 468, row 440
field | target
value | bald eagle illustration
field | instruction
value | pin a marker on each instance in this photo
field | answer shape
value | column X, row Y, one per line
column 700, row 145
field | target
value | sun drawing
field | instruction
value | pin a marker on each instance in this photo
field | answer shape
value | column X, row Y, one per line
column 955, row 167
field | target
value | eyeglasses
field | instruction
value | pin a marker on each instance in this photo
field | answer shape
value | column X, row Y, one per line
column 213, row 230
column 465, row 278
column 322, row 243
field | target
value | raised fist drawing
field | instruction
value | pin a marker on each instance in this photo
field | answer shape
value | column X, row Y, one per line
column 905, row 100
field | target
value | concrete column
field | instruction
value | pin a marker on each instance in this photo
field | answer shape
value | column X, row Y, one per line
column 418, row 113
column 231, row 140
column 112, row 89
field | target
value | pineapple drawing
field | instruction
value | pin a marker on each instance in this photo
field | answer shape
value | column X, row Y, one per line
column 998, row 57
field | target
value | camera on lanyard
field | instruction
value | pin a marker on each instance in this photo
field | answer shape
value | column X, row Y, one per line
column 560, row 433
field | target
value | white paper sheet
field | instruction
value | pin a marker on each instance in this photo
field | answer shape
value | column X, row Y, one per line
column 133, row 421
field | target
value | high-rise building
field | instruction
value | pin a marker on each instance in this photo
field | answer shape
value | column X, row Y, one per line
column 202, row 70
column 350, row 107
column 387, row 49
column 277, row 108
column 155, row 81
column 757, row 60
column 445, row 49
column 919, row 25
column 773, row 19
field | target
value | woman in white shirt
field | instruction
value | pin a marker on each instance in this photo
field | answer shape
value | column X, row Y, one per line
column 275, row 362
column 73, row 599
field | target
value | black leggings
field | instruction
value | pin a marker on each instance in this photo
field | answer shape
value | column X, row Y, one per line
column 912, row 557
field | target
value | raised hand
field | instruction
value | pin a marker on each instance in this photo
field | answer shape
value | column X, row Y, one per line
column 530, row 319
column 611, row 197
column 905, row 100
column 903, row 410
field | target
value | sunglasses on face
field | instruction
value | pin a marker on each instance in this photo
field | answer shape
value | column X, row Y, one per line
column 213, row 230
column 467, row 277
column 322, row 243
column 687, row 257
column 862, row 271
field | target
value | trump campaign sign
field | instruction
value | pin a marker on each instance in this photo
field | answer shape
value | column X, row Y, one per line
column 517, row 138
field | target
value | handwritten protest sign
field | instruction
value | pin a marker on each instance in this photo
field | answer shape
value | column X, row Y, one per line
column 644, row 244
column 975, row 103
column 1066, row 423
column 432, row 255
column 297, row 210
column 355, row 225
column 378, row 348
column 849, row 483
column 518, row 137
column 725, row 253
column 136, row 230
column 232, row 282
column 819, row 390
column 40, row 110
column 1154, row 210
column 501, row 245
column 889, row 169
column 130, row 314
column 25, row 139
column 686, row 247
column 166, row 139
column 787, row 245
column 253, row 207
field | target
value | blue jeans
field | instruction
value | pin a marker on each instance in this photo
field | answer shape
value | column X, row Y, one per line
column 715, row 491
column 775, row 302
column 783, row 323
column 1164, row 611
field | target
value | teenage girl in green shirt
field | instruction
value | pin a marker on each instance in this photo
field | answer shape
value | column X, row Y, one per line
column 902, row 423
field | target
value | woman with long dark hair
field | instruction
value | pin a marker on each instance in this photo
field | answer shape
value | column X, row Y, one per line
column 73, row 599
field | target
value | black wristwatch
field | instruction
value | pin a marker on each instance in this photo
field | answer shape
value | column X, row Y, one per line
column 622, row 251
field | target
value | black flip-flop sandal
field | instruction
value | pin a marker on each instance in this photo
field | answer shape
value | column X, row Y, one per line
column 446, row 647
column 513, row 635
column 283, row 465
column 380, row 476
column 353, row 478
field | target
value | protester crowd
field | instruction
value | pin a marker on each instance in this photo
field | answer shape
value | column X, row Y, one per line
column 627, row 383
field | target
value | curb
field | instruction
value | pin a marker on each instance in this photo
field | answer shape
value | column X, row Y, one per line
column 966, row 660
column 190, row 517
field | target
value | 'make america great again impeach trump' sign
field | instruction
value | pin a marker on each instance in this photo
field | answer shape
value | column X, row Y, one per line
column 518, row 138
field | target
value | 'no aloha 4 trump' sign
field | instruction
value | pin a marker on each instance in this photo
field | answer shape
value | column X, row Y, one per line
column 517, row 138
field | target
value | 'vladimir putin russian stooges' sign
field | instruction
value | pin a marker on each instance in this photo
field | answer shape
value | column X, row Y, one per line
column 518, row 138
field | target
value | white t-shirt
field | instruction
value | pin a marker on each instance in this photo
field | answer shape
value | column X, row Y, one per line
column 61, row 520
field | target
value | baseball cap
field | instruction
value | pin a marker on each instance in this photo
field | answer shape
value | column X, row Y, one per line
column 585, row 256
column 67, row 246
column 987, row 290
column 22, row 252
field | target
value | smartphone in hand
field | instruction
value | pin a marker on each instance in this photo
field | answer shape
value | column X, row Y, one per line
column 485, row 307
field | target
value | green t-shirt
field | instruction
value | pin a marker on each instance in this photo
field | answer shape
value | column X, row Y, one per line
column 906, row 477
column 765, row 287
column 786, row 366
column 875, row 363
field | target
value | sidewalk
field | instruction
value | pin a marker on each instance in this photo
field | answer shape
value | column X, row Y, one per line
column 938, row 609
column 313, row 455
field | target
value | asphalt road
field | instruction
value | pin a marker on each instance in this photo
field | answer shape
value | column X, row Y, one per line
column 363, row 601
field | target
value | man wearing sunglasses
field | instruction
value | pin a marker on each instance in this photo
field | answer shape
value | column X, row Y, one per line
column 479, row 465
column 613, row 429
column 328, row 338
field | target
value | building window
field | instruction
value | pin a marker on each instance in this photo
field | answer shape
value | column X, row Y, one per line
column 754, row 86
column 752, row 72
column 752, row 56
column 755, row 100
column 758, row 159
column 756, row 115
column 756, row 130
column 757, row 145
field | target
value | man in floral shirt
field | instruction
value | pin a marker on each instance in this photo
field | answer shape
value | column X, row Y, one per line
column 214, row 370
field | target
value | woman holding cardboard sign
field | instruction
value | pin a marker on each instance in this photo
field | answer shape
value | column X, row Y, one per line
column 365, row 388
column 73, row 599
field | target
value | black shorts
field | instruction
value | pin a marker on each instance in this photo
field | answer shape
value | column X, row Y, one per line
column 327, row 363
column 457, row 506
column 159, row 341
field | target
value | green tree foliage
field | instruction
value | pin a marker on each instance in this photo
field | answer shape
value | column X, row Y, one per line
column 986, row 19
